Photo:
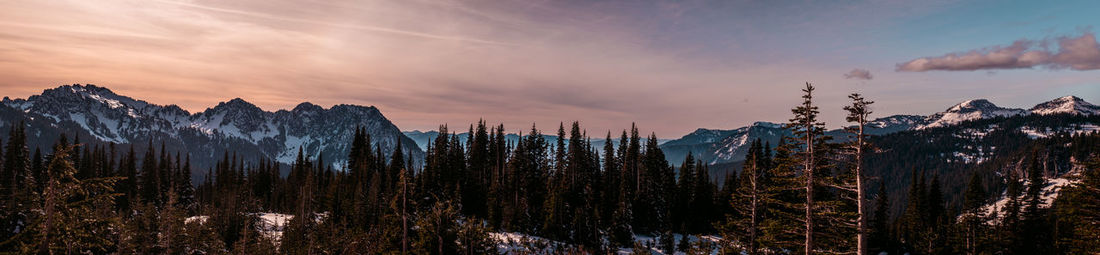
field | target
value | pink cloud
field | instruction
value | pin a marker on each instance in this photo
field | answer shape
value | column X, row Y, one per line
column 859, row 74
column 1077, row 53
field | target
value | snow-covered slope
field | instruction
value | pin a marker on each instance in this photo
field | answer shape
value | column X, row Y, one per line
column 233, row 126
column 969, row 110
column 1066, row 104
column 994, row 211
column 894, row 123
column 722, row 146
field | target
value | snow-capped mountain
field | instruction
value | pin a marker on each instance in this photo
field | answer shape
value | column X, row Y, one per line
column 969, row 110
column 718, row 146
column 1066, row 104
column 234, row 126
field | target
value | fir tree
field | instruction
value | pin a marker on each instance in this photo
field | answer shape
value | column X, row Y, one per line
column 64, row 223
column 809, row 132
column 880, row 231
column 972, row 216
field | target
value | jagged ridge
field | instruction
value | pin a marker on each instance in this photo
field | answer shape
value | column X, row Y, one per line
column 235, row 125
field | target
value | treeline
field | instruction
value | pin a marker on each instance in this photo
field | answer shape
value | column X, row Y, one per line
column 805, row 194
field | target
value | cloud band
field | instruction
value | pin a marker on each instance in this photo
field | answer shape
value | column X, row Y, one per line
column 1076, row 53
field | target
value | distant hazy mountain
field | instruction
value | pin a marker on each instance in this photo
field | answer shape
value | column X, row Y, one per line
column 422, row 138
column 720, row 146
column 98, row 114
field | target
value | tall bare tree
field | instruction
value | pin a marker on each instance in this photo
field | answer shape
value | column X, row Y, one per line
column 808, row 131
column 857, row 114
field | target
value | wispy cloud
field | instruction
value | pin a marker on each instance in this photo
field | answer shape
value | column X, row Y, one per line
column 671, row 66
column 1077, row 53
column 340, row 25
column 858, row 74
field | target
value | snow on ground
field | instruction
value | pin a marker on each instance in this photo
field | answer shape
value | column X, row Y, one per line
column 272, row 225
column 1075, row 130
column 1050, row 192
column 512, row 242
column 200, row 219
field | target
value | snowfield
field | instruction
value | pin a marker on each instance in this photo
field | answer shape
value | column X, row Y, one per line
column 1050, row 192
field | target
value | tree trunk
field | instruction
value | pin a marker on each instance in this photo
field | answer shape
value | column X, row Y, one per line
column 404, row 217
column 809, row 172
column 861, row 228
column 51, row 197
column 752, row 222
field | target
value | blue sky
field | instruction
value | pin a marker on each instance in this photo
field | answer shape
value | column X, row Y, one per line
column 670, row 66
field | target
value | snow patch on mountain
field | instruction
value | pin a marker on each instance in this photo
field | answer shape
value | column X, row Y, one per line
column 1035, row 133
column 1066, row 105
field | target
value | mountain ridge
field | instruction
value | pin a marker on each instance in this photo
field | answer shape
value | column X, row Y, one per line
column 718, row 146
column 235, row 124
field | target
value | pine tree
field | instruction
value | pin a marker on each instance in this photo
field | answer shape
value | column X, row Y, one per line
column 140, row 233
column 858, row 114
column 171, row 225
column 437, row 229
column 299, row 236
column 15, row 167
column 936, row 218
column 150, row 176
column 17, row 183
column 185, row 190
column 612, row 178
column 785, row 201
column 973, row 219
column 1011, row 222
column 65, row 223
column 1034, row 230
column 621, row 232
column 38, row 170
column 880, row 231
column 1077, row 212
column 809, row 132
column 703, row 204
column 685, row 194
column 128, row 186
column 748, row 200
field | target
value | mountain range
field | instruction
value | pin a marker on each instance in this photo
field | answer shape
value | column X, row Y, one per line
column 99, row 115
column 717, row 146
column 237, row 126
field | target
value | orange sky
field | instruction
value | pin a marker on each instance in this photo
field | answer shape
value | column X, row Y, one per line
column 428, row 62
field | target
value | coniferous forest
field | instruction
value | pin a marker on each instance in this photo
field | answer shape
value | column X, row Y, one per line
column 810, row 193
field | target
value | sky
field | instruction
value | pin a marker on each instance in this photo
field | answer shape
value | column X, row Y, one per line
column 669, row 66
